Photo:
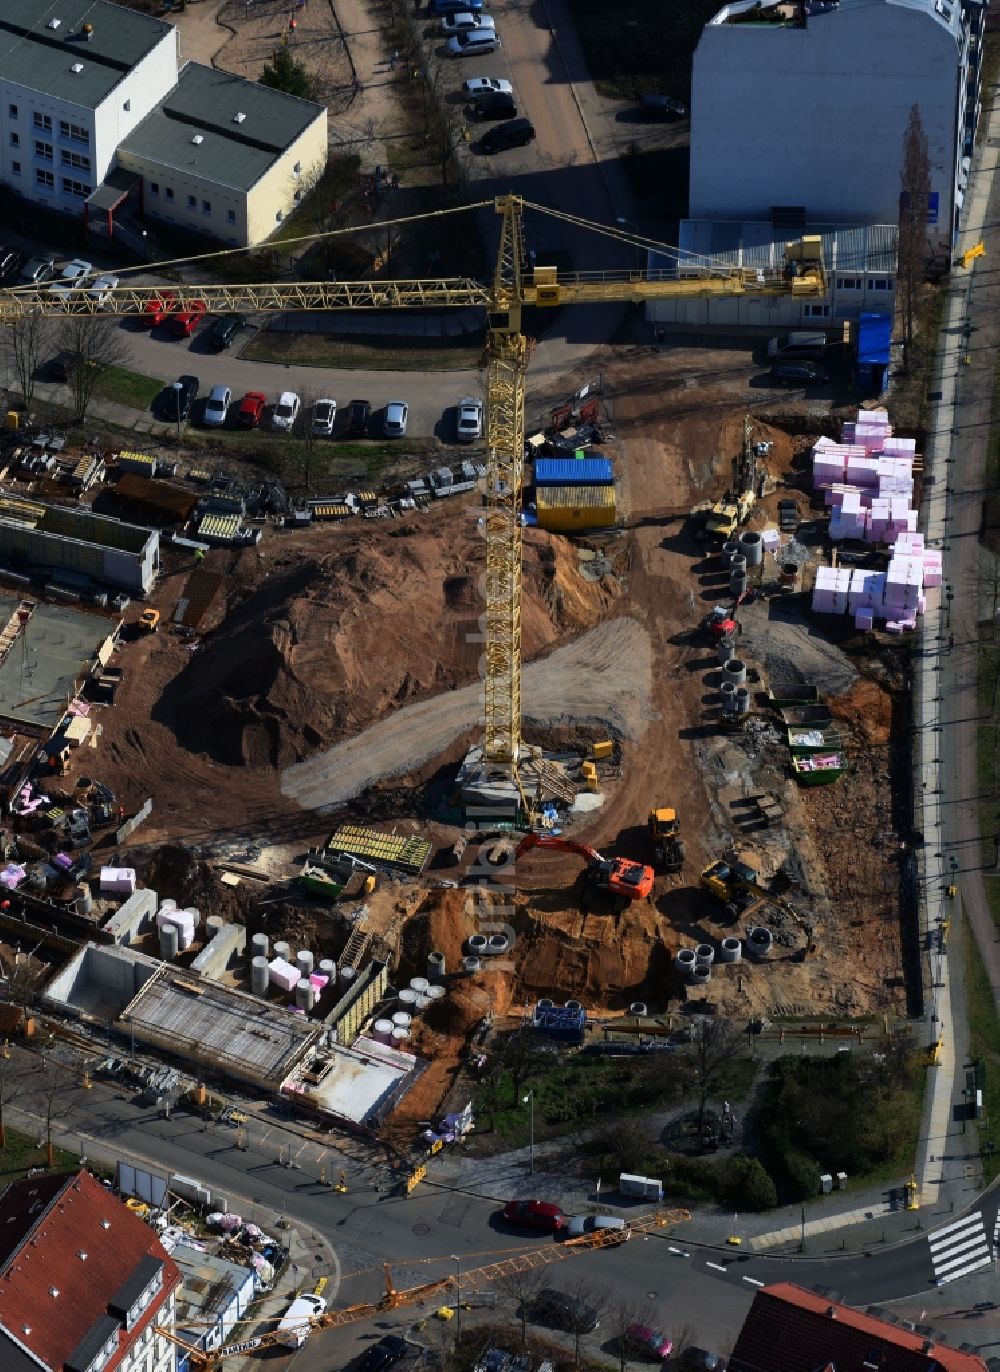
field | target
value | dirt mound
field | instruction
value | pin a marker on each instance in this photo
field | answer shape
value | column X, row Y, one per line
column 866, row 709
column 312, row 650
column 441, row 924
column 604, row 960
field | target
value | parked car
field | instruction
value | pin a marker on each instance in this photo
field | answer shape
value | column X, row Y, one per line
column 798, row 374
column 793, row 347
column 389, row 1349
column 101, row 289
column 186, row 320
column 469, row 421
column 561, row 1311
column 485, row 85
column 578, row 1225
column 217, row 406
column 71, row 278
column 396, row 414
column 496, row 105
column 11, row 262
column 473, row 42
column 324, row 418
column 462, row 20
column 450, row 6
column 180, row 397
column 286, row 412
column 535, row 1214
column 251, row 410
column 643, row 1339
column 36, row 270
column 358, row 415
column 661, row 109
column 158, row 307
column 63, row 365
column 515, row 133
column 224, row 330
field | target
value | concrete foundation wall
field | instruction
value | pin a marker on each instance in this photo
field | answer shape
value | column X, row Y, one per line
column 130, row 922
column 215, row 958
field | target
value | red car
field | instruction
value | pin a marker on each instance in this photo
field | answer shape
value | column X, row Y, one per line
column 248, row 416
column 186, row 320
column 158, row 307
column 535, row 1214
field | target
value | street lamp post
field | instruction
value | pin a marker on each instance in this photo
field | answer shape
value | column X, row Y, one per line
column 949, row 596
column 529, row 1101
column 177, row 398
column 456, row 1259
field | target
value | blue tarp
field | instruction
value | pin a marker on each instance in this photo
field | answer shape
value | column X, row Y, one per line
column 572, row 471
column 874, row 336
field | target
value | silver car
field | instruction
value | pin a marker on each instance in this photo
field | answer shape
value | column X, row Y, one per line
column 324, row 418
column 469, row 422
column 396, row 413
column 217, row 406
column 473, row 42
column 578, row 1225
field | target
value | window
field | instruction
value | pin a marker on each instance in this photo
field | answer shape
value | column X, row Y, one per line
column 878, row 283
column 43, row 150
column 280, row 216
column 43, row 122
column 15, row 140
column 76, row 132
column 296, row 170
column 192, row 202
column 75, row 188
column 206, row 207
column 154, row 187
column 230, row 216
column 12, row 111
column 75, row 159
column 169, row 192
column 817, row 311
column 849, row 283
column 45, row 178
column 16, row 168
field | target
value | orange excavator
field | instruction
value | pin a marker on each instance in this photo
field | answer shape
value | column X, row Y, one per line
column 621, row 878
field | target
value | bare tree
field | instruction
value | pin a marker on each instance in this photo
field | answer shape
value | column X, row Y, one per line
column 622, row 1315
column 682, row 1337
column 25, row 342
column 714, row 1044
column 14, row 1081
column 52, row 1092
column 587, row 1306
column 522, row 1056
column 914, row 203
column 97, row 343
column 521, row 1290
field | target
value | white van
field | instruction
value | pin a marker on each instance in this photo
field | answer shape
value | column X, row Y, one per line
column 798, row 345
column 294, row 1328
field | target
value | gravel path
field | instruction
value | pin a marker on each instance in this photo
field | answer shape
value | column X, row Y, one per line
column 604, row 677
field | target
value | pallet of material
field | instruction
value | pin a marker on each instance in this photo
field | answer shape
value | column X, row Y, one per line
column 405, row 851
column 332, row 512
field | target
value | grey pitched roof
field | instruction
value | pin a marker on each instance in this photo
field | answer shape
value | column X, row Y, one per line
column 205, row 103
column 40, row 58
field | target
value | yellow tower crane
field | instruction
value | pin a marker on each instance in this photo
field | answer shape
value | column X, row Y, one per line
column 512, row 288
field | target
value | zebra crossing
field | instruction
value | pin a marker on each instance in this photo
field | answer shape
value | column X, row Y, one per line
column 960, row 1248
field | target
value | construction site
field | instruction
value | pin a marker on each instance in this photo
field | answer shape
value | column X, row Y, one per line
column 692, row 799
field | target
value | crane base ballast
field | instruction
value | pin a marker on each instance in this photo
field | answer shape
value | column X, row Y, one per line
column 482, row 792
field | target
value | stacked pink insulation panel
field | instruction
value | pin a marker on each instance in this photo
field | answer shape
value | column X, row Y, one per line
column 867, row 480
column 895, row 596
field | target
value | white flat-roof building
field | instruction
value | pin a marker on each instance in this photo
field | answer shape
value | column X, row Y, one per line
column 805, row 105
column 76, row 77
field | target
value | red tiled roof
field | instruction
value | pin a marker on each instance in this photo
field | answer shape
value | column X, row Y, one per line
column 52, row 1221
column 789, row 1329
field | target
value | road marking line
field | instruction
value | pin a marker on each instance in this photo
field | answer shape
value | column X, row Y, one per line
column 753, row 1281
column 975, row 1218
column 950, row 1239
column 679, row 1251
column 979, row 1250
column 964, row 1272
column 970, row 1241
column 716, row 1266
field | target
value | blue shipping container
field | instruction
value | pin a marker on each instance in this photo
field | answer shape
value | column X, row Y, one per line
column 572, row 471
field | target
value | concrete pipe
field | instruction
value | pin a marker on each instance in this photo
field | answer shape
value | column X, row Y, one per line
column 420, row 985
column 345, row 977
column 685, row 959
column 477, row 944
column 305, row 994
column 760, row 942
column 169, row 942
column 435, row 966
column 700, row 975
column 407, row 998
column 789, row 573
column 470, row 964
column 212, row 926
column 545, row 1003
column 704, row 955
column 84, row 899
column 402, row 1020
column 735, row 671
column 436, row 993
column 737, row 584
column 724, row 650
column 260, row 946
column 167, row 904
column 728, row 690
column 282, row 950
column 752, row 547
column 573, row 1005
column 382, row 1030
column 328, row 969
column 260, row 976
column 639, row 1009
column 742, row 700
column 737, row 563
column 729, row 551
column 731, row 950
column 304, row 962
column 497, row 943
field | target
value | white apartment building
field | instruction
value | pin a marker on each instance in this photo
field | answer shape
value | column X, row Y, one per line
column 803, row 105
column 76, row 77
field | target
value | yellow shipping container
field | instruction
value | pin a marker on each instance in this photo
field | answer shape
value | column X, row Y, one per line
column 564, row 509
